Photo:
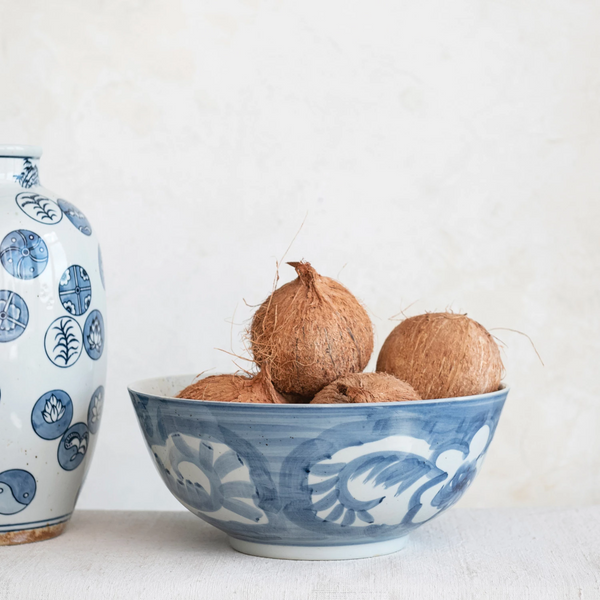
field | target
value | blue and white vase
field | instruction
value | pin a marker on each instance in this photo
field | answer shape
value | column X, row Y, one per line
column 52, row 350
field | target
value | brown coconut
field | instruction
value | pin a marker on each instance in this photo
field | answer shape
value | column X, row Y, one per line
column 361, row 388
column 234, row 388
column 311, row 331
column 442, row 355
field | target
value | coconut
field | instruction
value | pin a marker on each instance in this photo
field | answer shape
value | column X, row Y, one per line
column 442, row 355
column 310, row 332
column 361, row 388
column 234, row 388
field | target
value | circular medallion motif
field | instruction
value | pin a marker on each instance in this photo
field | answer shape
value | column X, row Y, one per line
column 17, row 490
column 93, row 335
column 14, row 316
column 75, row 290
column 75, row 216
column 39, row 208
column 63, row 342
column 24, row 254
column 52, row 414
column 95, row 410
column 73, row 447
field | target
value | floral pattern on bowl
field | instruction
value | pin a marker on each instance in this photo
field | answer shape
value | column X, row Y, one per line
column 279, row 479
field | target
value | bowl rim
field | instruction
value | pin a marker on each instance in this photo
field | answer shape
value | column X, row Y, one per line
column 134, row 388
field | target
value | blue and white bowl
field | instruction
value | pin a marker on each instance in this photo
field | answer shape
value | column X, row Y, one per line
column 315, row 482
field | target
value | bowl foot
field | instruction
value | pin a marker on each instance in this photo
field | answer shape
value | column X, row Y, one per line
column 26, row 536
column 319, row 552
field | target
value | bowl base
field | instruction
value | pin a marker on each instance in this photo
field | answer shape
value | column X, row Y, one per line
column 27, row 536
column 319, row 552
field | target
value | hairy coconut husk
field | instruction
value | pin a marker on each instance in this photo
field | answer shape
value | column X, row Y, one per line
column 361, row 388
column 442, row 355
column 296, row 399
column 234, row 388
column 311, row 331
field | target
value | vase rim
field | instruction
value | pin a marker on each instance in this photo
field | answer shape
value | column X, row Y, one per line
column 20, row 151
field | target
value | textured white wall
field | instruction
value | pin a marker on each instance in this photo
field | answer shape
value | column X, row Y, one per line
column 446, row 154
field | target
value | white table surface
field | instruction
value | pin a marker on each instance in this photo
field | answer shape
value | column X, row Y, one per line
column 466, row 553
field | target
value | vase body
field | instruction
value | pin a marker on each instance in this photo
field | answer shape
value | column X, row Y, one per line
column 52, row 351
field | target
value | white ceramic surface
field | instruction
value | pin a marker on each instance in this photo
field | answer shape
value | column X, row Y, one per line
column 319, row 553
column 52, row 350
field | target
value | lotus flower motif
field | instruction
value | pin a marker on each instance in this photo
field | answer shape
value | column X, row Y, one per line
column 97, row 408
column 53, row 410
column 95, row 336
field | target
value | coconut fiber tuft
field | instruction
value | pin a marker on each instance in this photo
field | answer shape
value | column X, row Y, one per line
column 360, row 388
column 311, row 331
column 234, row 388
column 442, row 355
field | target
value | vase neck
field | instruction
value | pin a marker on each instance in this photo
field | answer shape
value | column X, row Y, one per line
column 20, row 165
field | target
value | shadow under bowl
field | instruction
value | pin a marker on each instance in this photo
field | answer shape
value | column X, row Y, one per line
column 315, row 482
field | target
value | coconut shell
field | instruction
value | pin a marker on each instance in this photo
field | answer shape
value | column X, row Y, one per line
column 442, row 355
column 233, row 388
column 361, row 388
column 310, row 332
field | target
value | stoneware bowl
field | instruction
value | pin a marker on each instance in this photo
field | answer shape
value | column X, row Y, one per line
column 315, row 482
